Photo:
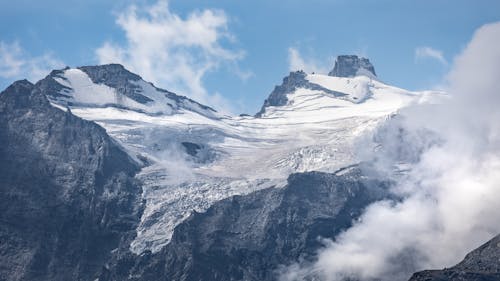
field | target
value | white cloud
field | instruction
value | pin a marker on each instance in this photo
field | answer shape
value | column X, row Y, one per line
column 428, row 52
column 297, row 62
column 451, row 192
column 174, row 52
column 15, row 63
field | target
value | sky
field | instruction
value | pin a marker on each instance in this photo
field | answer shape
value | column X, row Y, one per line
column 231, row 53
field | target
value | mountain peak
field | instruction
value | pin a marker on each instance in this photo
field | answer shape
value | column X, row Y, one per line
column 20, row 84
column 351, row 66
column 292, row 82
column 112, row 85
column 278, row 96
column 109, row 73
column 20, row 95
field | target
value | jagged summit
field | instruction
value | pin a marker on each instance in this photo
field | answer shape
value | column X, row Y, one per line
column 109, row 72
column 292, row 82
column 278, row 95
column 112, row 85
column 351, row 66
column 349, row 80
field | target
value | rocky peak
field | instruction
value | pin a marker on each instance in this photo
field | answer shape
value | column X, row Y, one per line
column 109, row 73
column 131, row 91
column 294, row 80
column 278, row 96
column 352, row 65
column 20, row 95
column 116, row 76
column 68, row 197
column 20, row 84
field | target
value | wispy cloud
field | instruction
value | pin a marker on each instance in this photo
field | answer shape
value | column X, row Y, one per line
column 175, row 52
column 426, row 52
column 298, row 62
column 16, row 63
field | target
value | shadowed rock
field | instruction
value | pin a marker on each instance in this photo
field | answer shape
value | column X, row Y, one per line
column 351, row 66
column 290, row 83
column 482, row 264
column 67, row 192
column 249, row 237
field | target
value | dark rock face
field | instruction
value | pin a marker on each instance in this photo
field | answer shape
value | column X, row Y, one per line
column 116, row 76
column 278, row 96
column 482, row 264
column 51, row 88
column 249, row 237
column 293, row 81
column 351, row 66
column 67, row 191
column 191, row 148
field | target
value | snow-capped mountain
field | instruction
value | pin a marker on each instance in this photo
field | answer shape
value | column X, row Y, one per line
column 169, row 189
column 194, row 156
column 113, row 86
column 68, row 196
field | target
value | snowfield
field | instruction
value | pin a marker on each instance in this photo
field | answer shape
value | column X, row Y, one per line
column 233, row 155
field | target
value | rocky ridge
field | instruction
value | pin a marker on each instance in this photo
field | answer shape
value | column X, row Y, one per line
column 68, row 196
column 352, row 65
column 250, row 237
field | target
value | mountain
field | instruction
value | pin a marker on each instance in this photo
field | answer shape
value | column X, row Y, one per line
column 114, row 177
column 194, row 156
column 295, row 80
column 249, row 237
column 482, row 264
column 352, row 66
column 113, row 86
column 68, row 196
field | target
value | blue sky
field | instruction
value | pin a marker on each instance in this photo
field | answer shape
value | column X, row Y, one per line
column 236, row 51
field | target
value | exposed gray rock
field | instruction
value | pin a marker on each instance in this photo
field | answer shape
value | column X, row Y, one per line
column 278, row 96
column 123, row 81
column 116, row 76
column 249, row 237
column 51, row 88
column 351, row 66
column 293, row 81
column 482, row 264
column 68, row 197
column 191, row 148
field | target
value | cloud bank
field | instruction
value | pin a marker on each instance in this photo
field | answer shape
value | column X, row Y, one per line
column 172, row 51
column 15, row 63
column 450, row 191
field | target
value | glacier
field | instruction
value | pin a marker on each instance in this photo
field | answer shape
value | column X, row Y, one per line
column 314, row 128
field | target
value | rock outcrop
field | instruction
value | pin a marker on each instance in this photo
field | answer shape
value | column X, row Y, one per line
column 68, row 196
column 293, row 81
column 351, row 66
column 482, row 264
column 249, row 237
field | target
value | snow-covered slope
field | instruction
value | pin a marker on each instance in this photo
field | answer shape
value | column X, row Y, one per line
column 113, row 86
column 193, row 156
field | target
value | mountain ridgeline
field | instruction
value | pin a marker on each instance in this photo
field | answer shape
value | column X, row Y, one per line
column 68, row 196
column 345, row 66
column 105, row 176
